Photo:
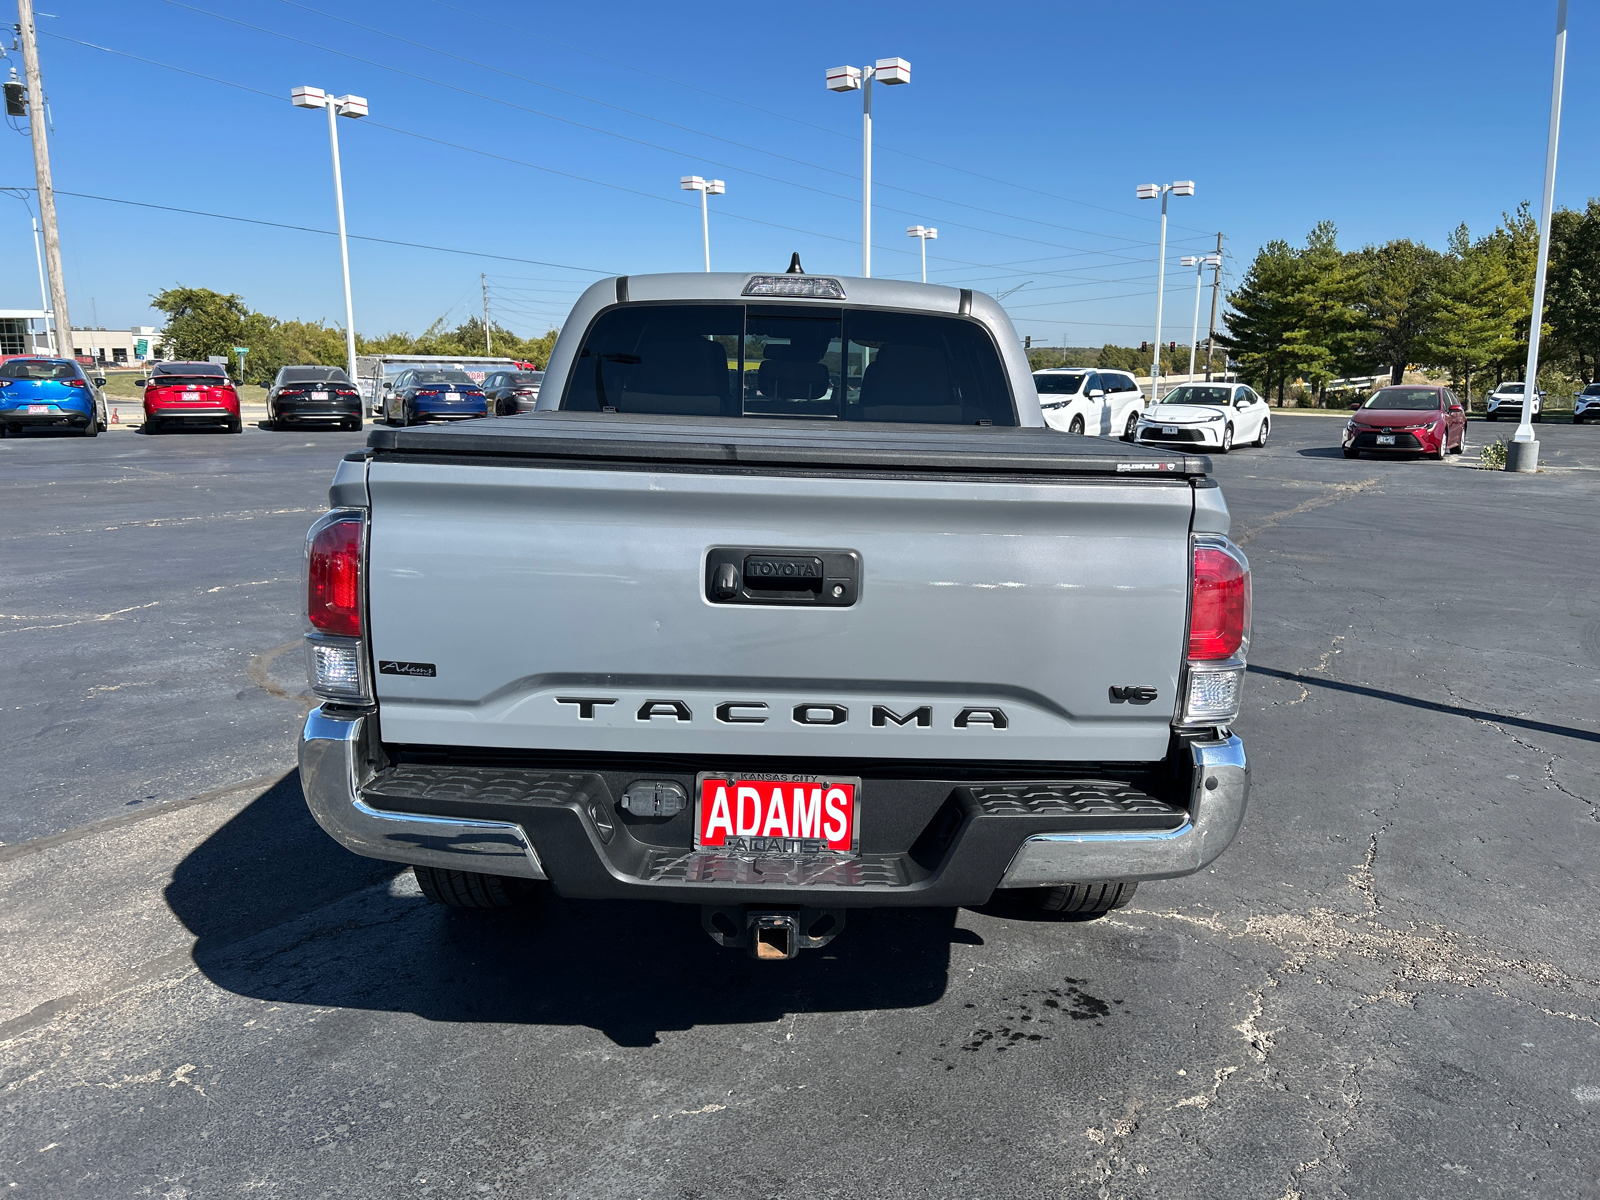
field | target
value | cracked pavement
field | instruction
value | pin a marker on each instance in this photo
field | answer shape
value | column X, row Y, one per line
column 1387, row 987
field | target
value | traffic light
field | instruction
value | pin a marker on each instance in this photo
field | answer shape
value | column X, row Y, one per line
column 16, row 98
column 1027, row 342
column 1172, row 347
column 1144, row 347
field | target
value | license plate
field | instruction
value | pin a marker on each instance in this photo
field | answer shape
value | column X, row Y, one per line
column 1169, row 429
column 38, row 408
column 1386, row 439
column 777, row 814
column 319, row 395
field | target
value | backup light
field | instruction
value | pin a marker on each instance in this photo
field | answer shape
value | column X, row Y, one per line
column 334, row 665
column 812, row 287
column 1213, row 696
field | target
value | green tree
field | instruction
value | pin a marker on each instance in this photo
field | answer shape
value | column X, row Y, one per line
column 1399, row 303
column 1262, row 313
column 1572, row 296
column 200, row 322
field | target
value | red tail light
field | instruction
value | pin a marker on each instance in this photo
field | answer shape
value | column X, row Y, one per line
column 74, row 383
column 1219, row 608
column 333, row 578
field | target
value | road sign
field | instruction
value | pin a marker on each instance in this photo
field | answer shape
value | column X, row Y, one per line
column 241, row 351
column 219, row 359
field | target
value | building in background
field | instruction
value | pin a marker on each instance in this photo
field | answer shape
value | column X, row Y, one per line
column 22, row 331
column 117, row 347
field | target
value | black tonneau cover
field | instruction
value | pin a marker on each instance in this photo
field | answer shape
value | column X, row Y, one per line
column 805, row 445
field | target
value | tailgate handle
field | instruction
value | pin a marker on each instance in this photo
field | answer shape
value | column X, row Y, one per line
column 786, row 576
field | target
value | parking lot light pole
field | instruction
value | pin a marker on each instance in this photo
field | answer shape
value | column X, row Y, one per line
column 1150, row 191
column 850, row 79
column 1522, row 454
column 1199, row 263
column 922, row 233
column 337, row 106
column 706, row 187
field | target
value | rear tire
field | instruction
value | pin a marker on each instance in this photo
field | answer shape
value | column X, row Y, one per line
column 1076, row 425
column 92, row 428
column 152, row 425
column 236, row 425
column 1084, row 899
column 468, row 889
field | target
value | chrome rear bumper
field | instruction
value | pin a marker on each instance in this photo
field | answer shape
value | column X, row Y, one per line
column 1219, row 791
column 332, row 766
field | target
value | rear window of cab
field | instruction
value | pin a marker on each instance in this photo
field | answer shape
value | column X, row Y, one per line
column 790, row 361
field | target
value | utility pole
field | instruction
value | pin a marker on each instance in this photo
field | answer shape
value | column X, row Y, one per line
column 484, row 280
column 1216, row 286
column 41, row 169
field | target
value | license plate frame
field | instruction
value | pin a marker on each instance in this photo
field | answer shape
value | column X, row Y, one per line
column 1385, row 439
column 785, row 839
column 38, row 410
column 319, row 395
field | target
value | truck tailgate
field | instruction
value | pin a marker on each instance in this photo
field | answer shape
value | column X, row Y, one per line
column 1000, row 612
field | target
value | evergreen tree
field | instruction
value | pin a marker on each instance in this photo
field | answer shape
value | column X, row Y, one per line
column 1262, row 314
column 1573, row 288
column 1399, row 302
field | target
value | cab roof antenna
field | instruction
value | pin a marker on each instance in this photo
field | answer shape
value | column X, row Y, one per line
column 794, row 265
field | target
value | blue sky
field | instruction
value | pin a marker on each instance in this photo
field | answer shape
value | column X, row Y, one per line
column 1021, row 137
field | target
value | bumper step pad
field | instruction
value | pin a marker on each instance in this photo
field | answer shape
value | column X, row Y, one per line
column 940, row 842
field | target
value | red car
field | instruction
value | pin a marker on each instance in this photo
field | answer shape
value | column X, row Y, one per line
column 1409, row 419
column 190, row 393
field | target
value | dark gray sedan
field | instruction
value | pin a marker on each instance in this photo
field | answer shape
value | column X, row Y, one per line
column 511, row 392
column 313, row 396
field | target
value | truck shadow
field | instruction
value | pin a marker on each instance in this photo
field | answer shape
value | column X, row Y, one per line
column 281, row 913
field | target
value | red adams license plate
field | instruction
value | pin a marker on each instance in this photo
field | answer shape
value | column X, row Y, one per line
column 778, row 814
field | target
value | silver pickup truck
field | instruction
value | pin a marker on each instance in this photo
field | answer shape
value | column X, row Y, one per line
column 784, row 602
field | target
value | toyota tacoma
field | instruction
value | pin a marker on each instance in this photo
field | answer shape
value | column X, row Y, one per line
column 783, row 602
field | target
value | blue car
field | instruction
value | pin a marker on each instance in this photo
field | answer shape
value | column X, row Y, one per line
column 432, row 394
column 47, row 393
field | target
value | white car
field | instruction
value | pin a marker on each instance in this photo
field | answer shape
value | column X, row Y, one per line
column 1091, row 401
column 1506, row 401
column 1207, row 416
column 1586, row 405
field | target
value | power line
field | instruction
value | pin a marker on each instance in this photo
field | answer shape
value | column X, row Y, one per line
column 195, row 212
column 629, row 138
column 987, row 178
column 705, row 133
column 894, row 249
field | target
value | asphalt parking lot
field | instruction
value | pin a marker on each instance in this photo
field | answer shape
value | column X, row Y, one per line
column 1387, row 987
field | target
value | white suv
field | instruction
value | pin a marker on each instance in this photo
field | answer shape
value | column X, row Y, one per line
column 1506, row 401
column 1089, row 400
